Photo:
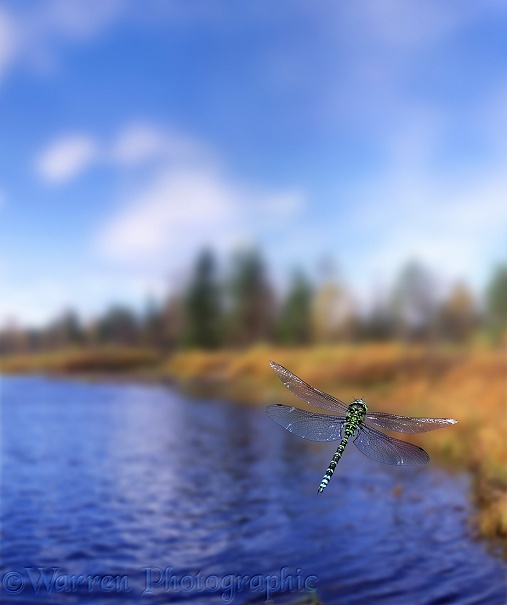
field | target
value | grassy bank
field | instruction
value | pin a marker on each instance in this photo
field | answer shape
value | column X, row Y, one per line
column 470, row 385
column 103, row 360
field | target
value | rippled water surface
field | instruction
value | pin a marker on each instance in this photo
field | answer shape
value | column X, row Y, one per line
column 113, row 484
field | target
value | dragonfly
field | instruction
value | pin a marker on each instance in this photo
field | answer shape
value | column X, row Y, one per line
column 354, row 421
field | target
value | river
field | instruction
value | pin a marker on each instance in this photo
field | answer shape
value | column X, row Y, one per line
column 121, row 493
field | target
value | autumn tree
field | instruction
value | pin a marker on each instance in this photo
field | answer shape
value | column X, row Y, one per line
column 458, row 315
column 414, row 302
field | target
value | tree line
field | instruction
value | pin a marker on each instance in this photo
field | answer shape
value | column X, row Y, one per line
column 242, row 307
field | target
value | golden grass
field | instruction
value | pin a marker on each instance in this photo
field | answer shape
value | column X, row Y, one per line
column 94, row 360
column 469, row 385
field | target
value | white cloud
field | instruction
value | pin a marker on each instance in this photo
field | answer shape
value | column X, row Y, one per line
column 186, row 199
column 31, row 36
column 454, row 223
column 137, row 143
column 33, row 303
column 396, row 24
column 66, row 157
column 8, row 41
column 184, row 209
column 168, row 216
column 37, row 301
column 140, row 141
column 78, row 19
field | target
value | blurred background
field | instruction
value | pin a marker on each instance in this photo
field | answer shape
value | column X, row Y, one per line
column 342, row 142
column 189, row 189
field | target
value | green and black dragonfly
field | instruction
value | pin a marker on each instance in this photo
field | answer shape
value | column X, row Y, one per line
column 356, row 422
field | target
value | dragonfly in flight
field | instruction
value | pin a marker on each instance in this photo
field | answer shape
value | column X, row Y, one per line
column 355, row 421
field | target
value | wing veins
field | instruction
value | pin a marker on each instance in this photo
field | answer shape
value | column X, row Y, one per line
column 407, row 424
column 308, row 425
column 386, row 449
column 306, row 392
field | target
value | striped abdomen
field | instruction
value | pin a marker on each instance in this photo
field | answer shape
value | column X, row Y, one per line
column 332, row 465
column 355, row 417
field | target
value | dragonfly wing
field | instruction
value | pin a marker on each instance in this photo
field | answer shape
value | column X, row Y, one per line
column 307, row 393
column 405, row 424
column 380, row 447
column 316, row 427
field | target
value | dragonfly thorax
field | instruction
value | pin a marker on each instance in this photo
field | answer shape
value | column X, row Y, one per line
column 357, row 410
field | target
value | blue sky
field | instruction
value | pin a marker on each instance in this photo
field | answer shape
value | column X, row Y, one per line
column 132, row 134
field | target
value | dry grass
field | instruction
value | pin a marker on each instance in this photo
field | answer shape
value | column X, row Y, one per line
column 92, row 360
column 469, row 385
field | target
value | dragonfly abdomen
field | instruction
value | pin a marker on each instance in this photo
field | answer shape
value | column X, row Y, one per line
column 354, row 419
column 332, row 465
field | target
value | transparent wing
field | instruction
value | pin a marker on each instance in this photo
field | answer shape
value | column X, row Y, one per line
column 316, row 427
column 380, row 447
column 307, row 393
column 405, row 424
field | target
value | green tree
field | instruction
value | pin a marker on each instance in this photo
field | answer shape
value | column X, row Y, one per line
column 496, row 301
column 64, row 331
column 295, row 321
column 380, row 323
column 251, row 308
column 118, row 326
column 69, row 328
column 202, row 306
column 153, row 325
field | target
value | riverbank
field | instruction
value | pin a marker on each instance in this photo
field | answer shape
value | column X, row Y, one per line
column 467, row 384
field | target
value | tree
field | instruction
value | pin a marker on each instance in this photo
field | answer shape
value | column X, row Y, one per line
column 458, row 314
column 295, row 321
column 13, row 339
column 380, row 323
column 173, row 314
column 64, row 331
column 202, row 306
column 153, row 325
column 118, row 326
column 251, row 300
column 414, row 301
column 333, row 316
column 496, row 301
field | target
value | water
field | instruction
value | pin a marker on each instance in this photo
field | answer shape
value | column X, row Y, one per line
column 109, row 491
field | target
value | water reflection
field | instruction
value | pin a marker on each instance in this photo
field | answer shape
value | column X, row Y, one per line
column 115, row 478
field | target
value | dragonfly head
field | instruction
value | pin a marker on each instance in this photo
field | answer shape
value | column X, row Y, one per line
column 359, row 401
